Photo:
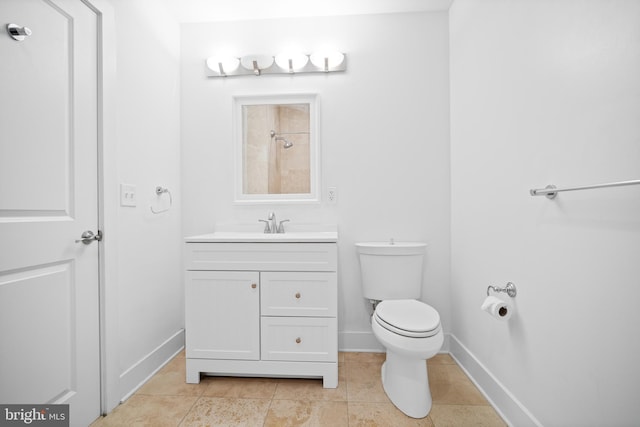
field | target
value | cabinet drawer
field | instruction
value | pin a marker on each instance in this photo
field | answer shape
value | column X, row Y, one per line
column 262, row 256
column 299, row 339
column 299, row 294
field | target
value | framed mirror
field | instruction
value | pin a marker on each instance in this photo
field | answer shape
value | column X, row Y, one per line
column 276, row 148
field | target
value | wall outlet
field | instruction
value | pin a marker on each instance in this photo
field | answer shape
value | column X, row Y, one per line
column 332, row 195
column 128, row 195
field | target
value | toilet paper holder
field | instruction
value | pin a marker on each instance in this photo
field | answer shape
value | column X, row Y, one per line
column 509, row 289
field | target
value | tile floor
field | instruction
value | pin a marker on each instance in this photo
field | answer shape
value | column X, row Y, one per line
column 359, row 400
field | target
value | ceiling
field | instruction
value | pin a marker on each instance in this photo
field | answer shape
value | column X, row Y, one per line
column 233, row 10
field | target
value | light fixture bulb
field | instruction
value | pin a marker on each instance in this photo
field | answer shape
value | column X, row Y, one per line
column 223, row 64
column 292, row 61
column 327, row 59
column 256, row 63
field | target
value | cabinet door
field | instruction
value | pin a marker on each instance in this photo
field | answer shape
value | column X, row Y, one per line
column 222, row 315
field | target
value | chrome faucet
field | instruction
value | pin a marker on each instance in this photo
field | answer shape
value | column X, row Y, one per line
column 271, row 225
column 273, row 222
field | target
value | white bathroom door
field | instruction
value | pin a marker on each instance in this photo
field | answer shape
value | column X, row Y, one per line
column 49, row 306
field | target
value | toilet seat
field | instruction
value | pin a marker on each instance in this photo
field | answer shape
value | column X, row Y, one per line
column 409, row 318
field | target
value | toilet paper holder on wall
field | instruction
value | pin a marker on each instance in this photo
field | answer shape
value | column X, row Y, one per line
column 509, row 289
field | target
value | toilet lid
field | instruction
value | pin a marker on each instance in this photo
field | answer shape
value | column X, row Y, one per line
column 409, row 318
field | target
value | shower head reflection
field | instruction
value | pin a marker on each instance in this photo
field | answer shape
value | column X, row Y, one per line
column 287, row 144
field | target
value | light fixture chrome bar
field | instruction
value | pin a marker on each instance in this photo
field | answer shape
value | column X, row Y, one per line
column 551, row 191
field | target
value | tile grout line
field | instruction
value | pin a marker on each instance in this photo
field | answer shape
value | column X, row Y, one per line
column 346, row 387
column 191, row 408
column 266, row 415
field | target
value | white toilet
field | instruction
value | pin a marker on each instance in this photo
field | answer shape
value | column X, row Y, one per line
column 409, row 329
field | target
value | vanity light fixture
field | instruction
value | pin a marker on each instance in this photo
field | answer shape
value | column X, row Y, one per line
column 287, row 63
column 221, row 66
column 292, row 61
column 327, row 60
column 256, row 63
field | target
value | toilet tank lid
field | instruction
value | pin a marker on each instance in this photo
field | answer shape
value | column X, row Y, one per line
column 409, row 315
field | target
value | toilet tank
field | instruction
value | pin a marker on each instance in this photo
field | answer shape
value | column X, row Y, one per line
column 391, row 270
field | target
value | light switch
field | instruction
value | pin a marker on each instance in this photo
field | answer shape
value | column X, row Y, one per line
column 128, row 195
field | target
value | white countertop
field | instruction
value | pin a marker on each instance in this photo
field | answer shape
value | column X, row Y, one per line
column 244, row 234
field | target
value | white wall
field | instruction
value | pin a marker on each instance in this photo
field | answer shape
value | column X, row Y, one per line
column 148, row 292
column 548, row 92
column 384, row 136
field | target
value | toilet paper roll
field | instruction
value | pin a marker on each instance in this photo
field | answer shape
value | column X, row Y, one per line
column 497, row 308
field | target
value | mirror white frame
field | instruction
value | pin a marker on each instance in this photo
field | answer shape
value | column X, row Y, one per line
column 239, row 102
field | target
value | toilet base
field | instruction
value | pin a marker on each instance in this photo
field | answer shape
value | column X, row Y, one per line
column 406, row 383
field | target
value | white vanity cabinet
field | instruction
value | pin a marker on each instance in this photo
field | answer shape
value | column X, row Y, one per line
column 261, row 309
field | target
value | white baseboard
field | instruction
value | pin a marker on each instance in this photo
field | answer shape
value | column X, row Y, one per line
column 509, row 408
column 138, row 374
column 358, row 341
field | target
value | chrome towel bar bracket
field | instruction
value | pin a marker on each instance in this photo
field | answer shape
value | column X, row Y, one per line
column 509, row 289
column 551, row 191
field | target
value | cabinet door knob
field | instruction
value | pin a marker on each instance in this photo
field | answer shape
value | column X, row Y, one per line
column 297, row 295
column 298, row 340
column 253, row 286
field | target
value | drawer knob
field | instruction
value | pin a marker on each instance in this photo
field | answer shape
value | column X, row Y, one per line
column 298, row 340
column 253, row 286
column 297, row 295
